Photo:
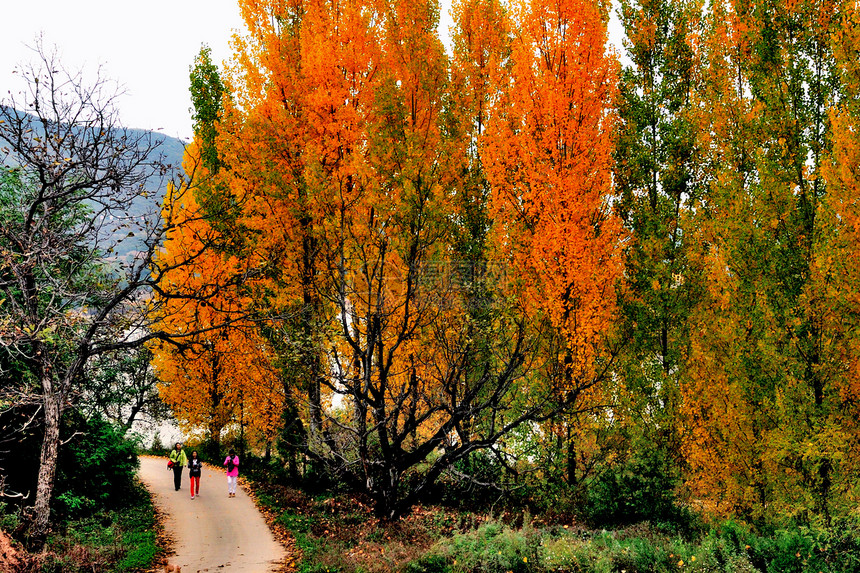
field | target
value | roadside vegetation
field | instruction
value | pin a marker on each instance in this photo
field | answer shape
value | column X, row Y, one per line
column 104, row 519
column 337, row 532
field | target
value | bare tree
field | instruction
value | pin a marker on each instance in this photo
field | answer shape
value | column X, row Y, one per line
column 73, row 183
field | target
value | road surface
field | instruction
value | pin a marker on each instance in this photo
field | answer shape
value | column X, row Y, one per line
column 212, row 532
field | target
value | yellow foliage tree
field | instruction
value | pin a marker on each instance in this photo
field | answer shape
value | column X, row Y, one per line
column 218, row 370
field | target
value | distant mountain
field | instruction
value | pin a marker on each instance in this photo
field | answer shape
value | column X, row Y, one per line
column 172, row 147
column 172, row 150
column 169, row 152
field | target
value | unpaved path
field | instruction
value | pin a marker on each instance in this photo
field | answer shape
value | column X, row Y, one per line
column 212, row 532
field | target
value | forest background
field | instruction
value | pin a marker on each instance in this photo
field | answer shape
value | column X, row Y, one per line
column 621, row 294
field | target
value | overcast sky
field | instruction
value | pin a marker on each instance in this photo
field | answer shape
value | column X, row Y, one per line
column 147, row 46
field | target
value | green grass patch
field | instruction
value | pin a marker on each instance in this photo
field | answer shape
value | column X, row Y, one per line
column 728, row 548
column 339, row 534
column 121, row 540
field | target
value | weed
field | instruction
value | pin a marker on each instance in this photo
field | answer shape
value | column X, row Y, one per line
column 120, row 540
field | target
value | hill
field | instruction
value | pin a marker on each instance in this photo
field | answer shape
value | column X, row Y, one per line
column 168, row 152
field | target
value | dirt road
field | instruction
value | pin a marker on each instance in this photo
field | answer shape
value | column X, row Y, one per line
column 212, row 532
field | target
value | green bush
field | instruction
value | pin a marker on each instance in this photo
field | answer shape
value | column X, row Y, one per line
column 120, row 540
column 139, row 541
column 641, row 489
column 428, row 564
column 839, row 545
column 10, row 516
column 68, row 505
column 462, row 490
column 96, row 468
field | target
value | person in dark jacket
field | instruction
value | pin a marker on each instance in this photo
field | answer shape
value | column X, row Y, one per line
column 195, row 468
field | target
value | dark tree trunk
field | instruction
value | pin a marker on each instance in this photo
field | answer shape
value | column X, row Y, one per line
column 571, row 458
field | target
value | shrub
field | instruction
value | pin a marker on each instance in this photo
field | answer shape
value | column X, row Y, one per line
column 640, row 489
column 96, row 468
column 475, row 483
column 428, row 564
column 10, row 517
column 119, row 540
column 570, row 555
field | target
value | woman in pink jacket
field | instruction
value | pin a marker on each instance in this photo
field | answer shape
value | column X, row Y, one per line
column 232, row 463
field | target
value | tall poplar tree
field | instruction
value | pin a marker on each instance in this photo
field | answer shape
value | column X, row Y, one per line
column 837, row 263
column 762, row 403
column 218, row 367
column 264, row 135
column 548, row 157
column 657, row 179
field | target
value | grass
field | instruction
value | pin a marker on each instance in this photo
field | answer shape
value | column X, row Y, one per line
column 121, row 540
column 338, row 534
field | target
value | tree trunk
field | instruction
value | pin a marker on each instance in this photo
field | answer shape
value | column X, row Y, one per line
column 40, row 519
column 215, row 436
column 571, row 458
column 387, row 506
column 309, row 314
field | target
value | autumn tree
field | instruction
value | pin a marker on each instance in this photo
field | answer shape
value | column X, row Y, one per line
column 399, row 364
column 72, row 175
column 548, row 156
column 657, row 180
column 217, row 370
column 766, row 401
column 413, row 365
column 481, row 54
column 836, row 262
column 263, row 141
column 357, row 178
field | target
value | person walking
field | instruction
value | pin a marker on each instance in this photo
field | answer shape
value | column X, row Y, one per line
column 232, row 463
column 195, row 468
column 178, row 459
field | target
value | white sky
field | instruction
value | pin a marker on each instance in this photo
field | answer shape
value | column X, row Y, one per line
column 148, row 47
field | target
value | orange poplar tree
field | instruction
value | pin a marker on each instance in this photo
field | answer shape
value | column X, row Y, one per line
column 547, row 151
column 217, row 366
column 264, row 132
